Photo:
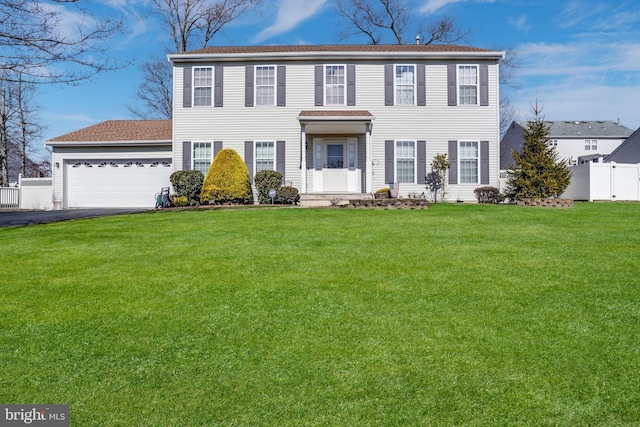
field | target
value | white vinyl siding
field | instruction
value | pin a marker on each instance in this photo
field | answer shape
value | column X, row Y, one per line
column 202, row 86
column 265, row 85
column 468, row 84
column 202, row 157
column 469, row 162
column 405, row 156
column 405, row 84
column 265, row 156
column 335, row 87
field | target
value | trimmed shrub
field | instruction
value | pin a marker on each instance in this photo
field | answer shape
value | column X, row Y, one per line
column 265, row 181
column 180, row 201
column 288, row 195
column 227, row 180
column 188, row 184
column 487, row 194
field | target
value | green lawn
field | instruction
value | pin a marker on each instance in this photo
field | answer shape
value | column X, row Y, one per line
column 456, row 315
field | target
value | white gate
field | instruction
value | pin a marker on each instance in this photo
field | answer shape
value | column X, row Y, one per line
column 604, row 181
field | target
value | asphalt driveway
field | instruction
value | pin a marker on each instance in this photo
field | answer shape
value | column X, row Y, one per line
column 20, row 218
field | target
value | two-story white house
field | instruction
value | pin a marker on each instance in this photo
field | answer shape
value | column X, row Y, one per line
column 337, row 119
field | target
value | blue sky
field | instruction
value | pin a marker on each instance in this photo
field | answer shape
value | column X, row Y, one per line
column 580, row 58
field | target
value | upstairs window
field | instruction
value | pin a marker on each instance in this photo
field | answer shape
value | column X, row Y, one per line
column 468, row 84
column 265, row 85
column 335, row 84
column 591, row 144
column 405, row 84
column 202, row 86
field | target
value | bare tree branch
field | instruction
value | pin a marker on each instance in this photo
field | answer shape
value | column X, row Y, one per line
column 382, row 20
column 37, row 43
column 155, row 92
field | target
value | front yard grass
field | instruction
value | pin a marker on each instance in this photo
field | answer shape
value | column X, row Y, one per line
column 456, row 315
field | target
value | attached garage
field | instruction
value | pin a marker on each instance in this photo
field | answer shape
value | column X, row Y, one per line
column 119, row 163
column 120, row 183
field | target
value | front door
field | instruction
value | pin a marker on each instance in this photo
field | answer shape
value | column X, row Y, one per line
column 335, row 173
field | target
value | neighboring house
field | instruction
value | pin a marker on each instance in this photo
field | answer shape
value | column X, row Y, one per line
column 576, row 141
column 342, row 119
column 628, row 151
column 117, row 163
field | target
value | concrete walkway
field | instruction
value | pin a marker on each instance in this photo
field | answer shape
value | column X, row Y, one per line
column 20, row 218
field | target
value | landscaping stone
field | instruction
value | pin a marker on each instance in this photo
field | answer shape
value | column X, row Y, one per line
column 399, row 203
column 548, row 202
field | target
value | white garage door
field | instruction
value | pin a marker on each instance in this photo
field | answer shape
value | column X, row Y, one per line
column 115, row 183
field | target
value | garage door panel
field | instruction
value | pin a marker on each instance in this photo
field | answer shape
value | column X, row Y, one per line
column 131, row 183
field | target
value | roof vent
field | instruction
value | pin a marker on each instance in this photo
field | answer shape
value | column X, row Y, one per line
column 577, row 123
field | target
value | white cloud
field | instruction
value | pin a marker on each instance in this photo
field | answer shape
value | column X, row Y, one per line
column 432, row 6
column 521, row 23
column 291, row 13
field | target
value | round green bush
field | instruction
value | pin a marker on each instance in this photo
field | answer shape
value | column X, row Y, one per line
column 288, row 195
column 188, row 184
column 227, row 180
column 267, row 180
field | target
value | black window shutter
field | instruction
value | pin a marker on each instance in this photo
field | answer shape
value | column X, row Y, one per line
column 388, row 161
column 217, row 146
column 484, row 162
column 248, row 157
column 186, row 155
column 422, row 162
column 453, row 159
column 484, row 85
column 186, row 87
column 421, row 87
column 319, row 85
column 388, row 85
column 351, row 84
column 452, row 89
column 248, row 86
column 218, row 76
column 281, row 90
column 280, row 159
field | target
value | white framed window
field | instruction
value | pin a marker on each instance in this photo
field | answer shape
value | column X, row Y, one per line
column 405, row 156
column 468, row 84
column 202, row 86
column 552, row 143
column 591, row 144
column 265, row 156
column 265, row 85
column 405, row 84
column 202, row 157
column 334, row 83
column 468, row 162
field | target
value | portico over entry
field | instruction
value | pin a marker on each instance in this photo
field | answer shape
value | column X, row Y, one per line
column 336, row 147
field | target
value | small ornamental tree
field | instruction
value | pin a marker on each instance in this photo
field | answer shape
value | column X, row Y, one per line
column 436, row 180
column 538, row 170
column 227, row 180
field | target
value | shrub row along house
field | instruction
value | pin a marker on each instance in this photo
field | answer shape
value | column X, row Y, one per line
column 340, row 119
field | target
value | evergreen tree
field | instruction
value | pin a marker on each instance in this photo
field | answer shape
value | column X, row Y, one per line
column 538, row 170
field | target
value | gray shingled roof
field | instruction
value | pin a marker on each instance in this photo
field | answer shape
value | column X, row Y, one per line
column 585, row 129
column 628, row 151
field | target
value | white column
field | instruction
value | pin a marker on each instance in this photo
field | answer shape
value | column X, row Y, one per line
column 303, row 158
column 369, row 166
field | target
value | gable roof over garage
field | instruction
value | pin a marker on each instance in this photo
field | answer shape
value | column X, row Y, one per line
column 119, row 131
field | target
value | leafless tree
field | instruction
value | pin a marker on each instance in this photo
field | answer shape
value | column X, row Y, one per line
column 191, row 24
column 154, row 95
column 508, row 79
column 381, row 20
column 19, row 126
column 40, row 42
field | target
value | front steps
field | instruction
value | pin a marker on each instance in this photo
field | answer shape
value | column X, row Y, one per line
column 311, row 200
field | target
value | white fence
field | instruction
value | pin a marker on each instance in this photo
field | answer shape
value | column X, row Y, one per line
column 31, row 193
column 604, row 181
